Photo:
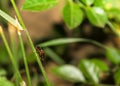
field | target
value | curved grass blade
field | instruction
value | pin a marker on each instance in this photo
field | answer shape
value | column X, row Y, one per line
column 63, row 41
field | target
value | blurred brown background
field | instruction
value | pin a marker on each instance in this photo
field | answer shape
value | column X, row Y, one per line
column 40, row 24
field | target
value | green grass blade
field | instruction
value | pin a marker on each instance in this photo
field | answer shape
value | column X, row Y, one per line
column 7, row 17
column 11, row 20
column 25, row 59
column 63, row 41
column 54, row 56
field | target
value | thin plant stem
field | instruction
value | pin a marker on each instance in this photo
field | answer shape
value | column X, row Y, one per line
column 25, row 59
column 11, row 55
column 13, row 42
column 80, row 4
column 69, row 40
column 97, row 43
column 31, row 43
column 54, row 56
column 112, row 28
column 18, row 14
column 38, row 60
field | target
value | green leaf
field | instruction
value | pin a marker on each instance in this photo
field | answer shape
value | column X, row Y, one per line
column 100, row 64
column 112, row 8
column 87, row 2
column 108, row 4
column 39, row 5
column 70, row 73
column 90, row 70
column 117, row 77
column 96, row 16
column 113, row 55
column 72, row 15
column 102, row 3
column 5, row 82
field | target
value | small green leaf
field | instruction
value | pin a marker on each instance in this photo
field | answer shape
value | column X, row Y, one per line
column 102, row 3
column 101, row 65
column 90, row 70
column 87, row 2
column 117, row 77
column 96, row 16
column 70, row 73
column 108, row 4
column 5, row 82
column 39, row 5
column 72, row 15
column 113, row 55
column 112, row 8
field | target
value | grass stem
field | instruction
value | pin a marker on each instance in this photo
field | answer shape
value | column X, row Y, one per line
column 112, row 28
column 31, row 43
column 13, row 40
column 18, row 14
column 11, row 55
column 25, row 59
column 54, row 56
column 38, row 60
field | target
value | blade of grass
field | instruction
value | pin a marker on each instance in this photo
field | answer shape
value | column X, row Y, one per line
column 25, row 59
column 18, row 14
column 13, row 43
column 62, row 41
column 13, row 22
column 38, row 60
column 31, row 43
column 11, row 55
column 54, row 56
column 13, row 40
column 8, row 18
